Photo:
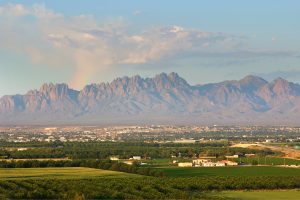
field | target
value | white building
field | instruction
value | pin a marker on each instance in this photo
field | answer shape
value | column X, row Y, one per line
column 209, row 164
column 234, row 156
column 270, row 140
column 114, row 158
column 228, row 163
column 249, row 154
column 22, row 149
column 185, row 164
column 199, row 162
column 136, row 157
column 220, row 164
column 231, row 163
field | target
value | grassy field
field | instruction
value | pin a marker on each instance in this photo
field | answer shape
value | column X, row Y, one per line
column 38, row 159
column 262, row 195
column 231, row 171
column 269, row 161
column 67, row 183
column 61, row 173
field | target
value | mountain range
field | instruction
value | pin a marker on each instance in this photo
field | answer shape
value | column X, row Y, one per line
column 163, row 99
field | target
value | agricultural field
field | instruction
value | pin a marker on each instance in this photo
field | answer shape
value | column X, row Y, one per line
column 45, row 173
column 38, row 159
column 183, row 183
column 243, row 171
column 261, row 195
column 61, row 173
column 268, row 161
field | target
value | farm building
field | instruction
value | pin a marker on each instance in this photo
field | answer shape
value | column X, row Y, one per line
column 136, row 157
column 209, row 164
column 199, row 162
column 228, row 163
column 234, row 156
column 185, row 164
column 220, row 164
column 114, row 158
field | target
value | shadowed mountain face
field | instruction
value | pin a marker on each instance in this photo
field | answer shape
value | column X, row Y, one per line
column 162, row 99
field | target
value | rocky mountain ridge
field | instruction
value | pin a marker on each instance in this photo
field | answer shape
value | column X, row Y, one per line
column 165, row 98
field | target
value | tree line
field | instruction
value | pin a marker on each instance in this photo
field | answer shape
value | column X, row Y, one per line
column 103, row 150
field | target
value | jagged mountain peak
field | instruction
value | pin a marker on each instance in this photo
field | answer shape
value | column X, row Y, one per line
column 284, row 88
column 253, row 79
column 167, row 81
column 280, row 85
column 56, row 91
column 56, row 88
column 252, row 83
column 174, row 77
column 280, row 81
column 164, row 96
column 161, row 76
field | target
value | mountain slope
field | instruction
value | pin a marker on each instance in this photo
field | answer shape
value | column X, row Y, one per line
column 166, row 98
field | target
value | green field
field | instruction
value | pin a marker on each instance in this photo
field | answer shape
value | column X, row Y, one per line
column 62, row 173
column 268, row 161
column 262, row 195
column 231, row 171
column 183, row 183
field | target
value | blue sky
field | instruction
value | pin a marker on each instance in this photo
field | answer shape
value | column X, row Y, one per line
column 94, row 41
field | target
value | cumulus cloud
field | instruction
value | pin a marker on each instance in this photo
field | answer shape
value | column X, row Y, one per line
column 90, row 46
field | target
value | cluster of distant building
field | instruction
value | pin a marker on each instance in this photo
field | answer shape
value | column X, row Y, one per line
column 199, row 162
column 207, row 163
column 156, row 133
column 129, row 161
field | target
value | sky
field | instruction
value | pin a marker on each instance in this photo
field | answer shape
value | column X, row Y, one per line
column 82, row 42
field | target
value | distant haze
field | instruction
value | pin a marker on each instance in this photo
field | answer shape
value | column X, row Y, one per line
column 163, row 99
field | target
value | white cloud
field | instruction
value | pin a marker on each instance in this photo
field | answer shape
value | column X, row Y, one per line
column 137, row 12
column 89, row 46
column 14, row 10
column 176, row 29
